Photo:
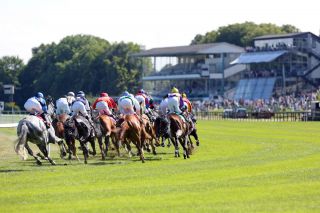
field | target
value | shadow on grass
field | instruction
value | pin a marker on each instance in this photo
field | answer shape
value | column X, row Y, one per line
column 11, row 170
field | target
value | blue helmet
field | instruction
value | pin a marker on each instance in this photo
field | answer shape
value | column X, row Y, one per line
column 81, row 94
column 142, row 91
column 126, row 93
column 39, row 95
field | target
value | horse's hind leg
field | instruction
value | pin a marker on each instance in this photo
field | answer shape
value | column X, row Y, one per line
column 103, row 154
column 195, row 135
column 91, row 140
column 31, row 153
column 85, row 151
column 43, row 149
column 176, row 147
column 183, row 142
column 116, row 144
column 107, row 142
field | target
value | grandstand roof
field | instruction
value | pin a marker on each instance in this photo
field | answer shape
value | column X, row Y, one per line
column 198, row 49
column 288, row 35
column 258, row 57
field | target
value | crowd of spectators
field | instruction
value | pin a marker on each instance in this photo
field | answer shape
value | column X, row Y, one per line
column 301, row 102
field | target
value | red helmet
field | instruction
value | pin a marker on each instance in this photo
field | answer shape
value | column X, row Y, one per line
column 103, row 94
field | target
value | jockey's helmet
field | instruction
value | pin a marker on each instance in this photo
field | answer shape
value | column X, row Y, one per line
column 39, row 95
column 126, row 93
column 70, row 94
column 103, row 94
column 174, row 90
column 184, row 95
column 81, row 94
column 141, row 91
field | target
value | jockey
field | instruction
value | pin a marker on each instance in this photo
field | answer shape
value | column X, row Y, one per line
column 175, row 101
column 63, row 106
column 70, row 98
column 187, row 103
column 79, row 106
column 104, row 103
column 37, row 106
column 163, row 107
column 86, row 103
column 143, row 100
column 128, row 104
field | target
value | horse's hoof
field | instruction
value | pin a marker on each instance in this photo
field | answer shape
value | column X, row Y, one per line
column 39, row 163
column 85, row 162
column 163, row 145
column 185, row 156
column 53, row 163
column 198, row 143
column 154, row 152
column 168, row 145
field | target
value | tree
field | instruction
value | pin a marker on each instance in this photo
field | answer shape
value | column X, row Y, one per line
column 10, row 69
column 242, row 34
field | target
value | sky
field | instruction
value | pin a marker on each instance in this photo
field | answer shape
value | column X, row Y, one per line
column 25, row 24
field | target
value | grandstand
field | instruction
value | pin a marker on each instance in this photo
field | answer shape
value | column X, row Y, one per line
column 276, row 65
column 200, row 70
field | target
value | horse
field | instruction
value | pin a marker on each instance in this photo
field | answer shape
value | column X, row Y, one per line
column 151, row 131
column 161, row 126
column 131, row 130
column 179, row 131
column 58, row 124
column 33, row 129
column 105, row 126
column 79, row 127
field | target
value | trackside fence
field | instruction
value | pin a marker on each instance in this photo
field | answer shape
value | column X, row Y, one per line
column 278, row 116
column 9, row 117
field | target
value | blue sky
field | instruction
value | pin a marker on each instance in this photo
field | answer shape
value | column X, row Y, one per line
column 28, row 23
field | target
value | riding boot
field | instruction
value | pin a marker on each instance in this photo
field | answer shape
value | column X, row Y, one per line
column 45, row 120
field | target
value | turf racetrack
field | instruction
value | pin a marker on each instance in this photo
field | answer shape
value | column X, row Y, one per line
column 239, row 167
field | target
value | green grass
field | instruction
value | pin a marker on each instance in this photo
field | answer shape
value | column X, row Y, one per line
column 239, row 167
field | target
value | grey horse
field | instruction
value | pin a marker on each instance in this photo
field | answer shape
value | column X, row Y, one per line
column 33, row 129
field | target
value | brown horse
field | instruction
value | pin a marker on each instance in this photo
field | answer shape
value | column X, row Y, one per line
column 132, row 130
column 151, row 131
column 179, row 131
column 58, row 125
column 106, row 127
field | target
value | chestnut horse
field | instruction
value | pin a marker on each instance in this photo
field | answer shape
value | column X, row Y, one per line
column 151, row 131
column 132, row 130
column 105, row 126
column 179, row 131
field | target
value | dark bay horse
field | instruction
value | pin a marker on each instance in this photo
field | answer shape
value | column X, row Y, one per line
column 79, row 127
column 132, row 130
column 58, row 124
column 161, row 127
column 179, row 131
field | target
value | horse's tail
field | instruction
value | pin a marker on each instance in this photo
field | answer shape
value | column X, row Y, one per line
column 21, row 141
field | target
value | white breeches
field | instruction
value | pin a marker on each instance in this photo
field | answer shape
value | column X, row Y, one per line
column 163, row 106
column 173, row 105
column 103, row 107
column 33, row 106
column 79, row 107
column 126, row 107
column 62, row 106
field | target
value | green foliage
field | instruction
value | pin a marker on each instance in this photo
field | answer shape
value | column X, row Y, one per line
column 242, row 34
column 82, row 62
column 239, row 167
column 10, row 69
